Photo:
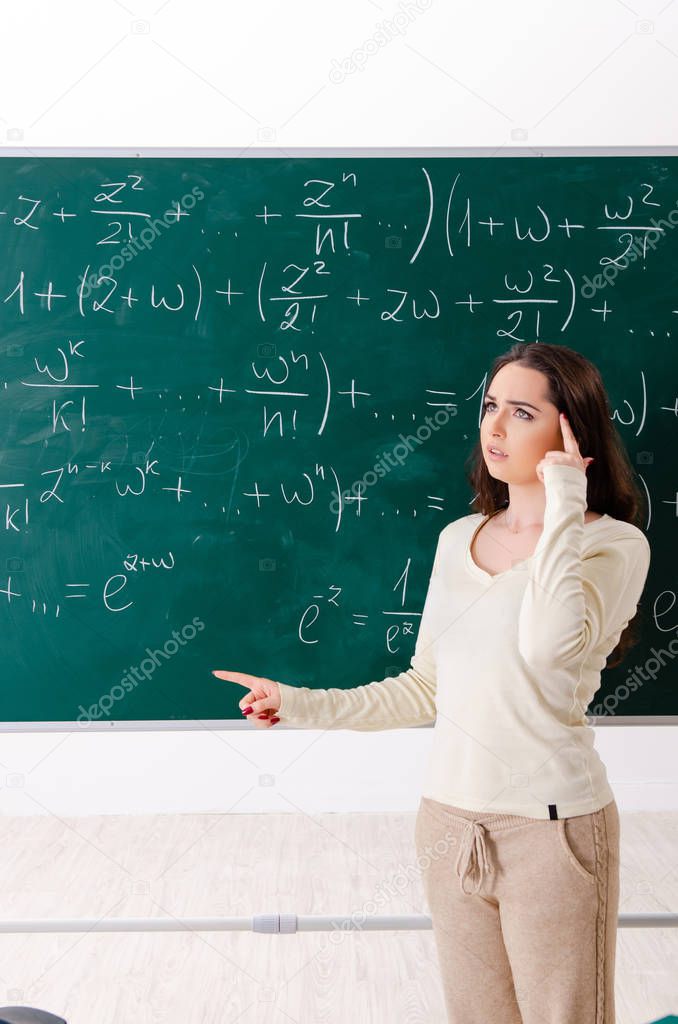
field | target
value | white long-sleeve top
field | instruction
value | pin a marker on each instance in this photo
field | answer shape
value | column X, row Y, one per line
column 507, row 664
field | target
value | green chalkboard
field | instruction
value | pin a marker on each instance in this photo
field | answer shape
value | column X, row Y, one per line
column 198, row 353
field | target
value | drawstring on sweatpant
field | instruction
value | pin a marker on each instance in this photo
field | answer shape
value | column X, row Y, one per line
column 472, row 842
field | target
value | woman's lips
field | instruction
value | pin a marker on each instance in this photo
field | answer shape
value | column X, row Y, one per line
column 497, row 458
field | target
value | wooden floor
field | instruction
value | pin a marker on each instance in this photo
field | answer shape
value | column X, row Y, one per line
column 244, row 864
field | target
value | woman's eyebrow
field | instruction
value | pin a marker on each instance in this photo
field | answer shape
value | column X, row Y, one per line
column 512, row 401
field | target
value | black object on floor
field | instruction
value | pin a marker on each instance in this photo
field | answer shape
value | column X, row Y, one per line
column 28, row 1015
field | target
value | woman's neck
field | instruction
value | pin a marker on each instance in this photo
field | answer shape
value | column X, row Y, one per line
column 526, row 507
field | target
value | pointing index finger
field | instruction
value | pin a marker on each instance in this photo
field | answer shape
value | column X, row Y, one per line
column 235, row 677
column 569, row 439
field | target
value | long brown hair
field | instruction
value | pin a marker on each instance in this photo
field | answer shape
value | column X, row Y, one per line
column 575, row 387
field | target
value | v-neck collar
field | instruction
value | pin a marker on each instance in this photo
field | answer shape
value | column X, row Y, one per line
column 482, row 574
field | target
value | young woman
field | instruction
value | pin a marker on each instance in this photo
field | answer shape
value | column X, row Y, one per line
column 530, row 597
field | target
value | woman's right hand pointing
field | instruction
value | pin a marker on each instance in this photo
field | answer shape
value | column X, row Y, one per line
column 263, row 697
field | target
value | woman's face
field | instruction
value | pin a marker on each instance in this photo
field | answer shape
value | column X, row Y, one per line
column 524, row 431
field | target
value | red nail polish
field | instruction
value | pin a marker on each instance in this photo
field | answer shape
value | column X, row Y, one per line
column 262, row 716
column 247, row 711
column 274, row 720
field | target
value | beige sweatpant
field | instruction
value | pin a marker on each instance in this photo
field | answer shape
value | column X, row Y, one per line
column 524, row 913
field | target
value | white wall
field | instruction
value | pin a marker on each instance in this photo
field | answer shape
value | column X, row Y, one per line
column 175, row 73
column 247, row 770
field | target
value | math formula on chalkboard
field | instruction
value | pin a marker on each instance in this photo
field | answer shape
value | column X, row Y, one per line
column 232, row 389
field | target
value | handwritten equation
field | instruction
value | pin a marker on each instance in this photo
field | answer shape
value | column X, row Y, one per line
column 194, row 349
